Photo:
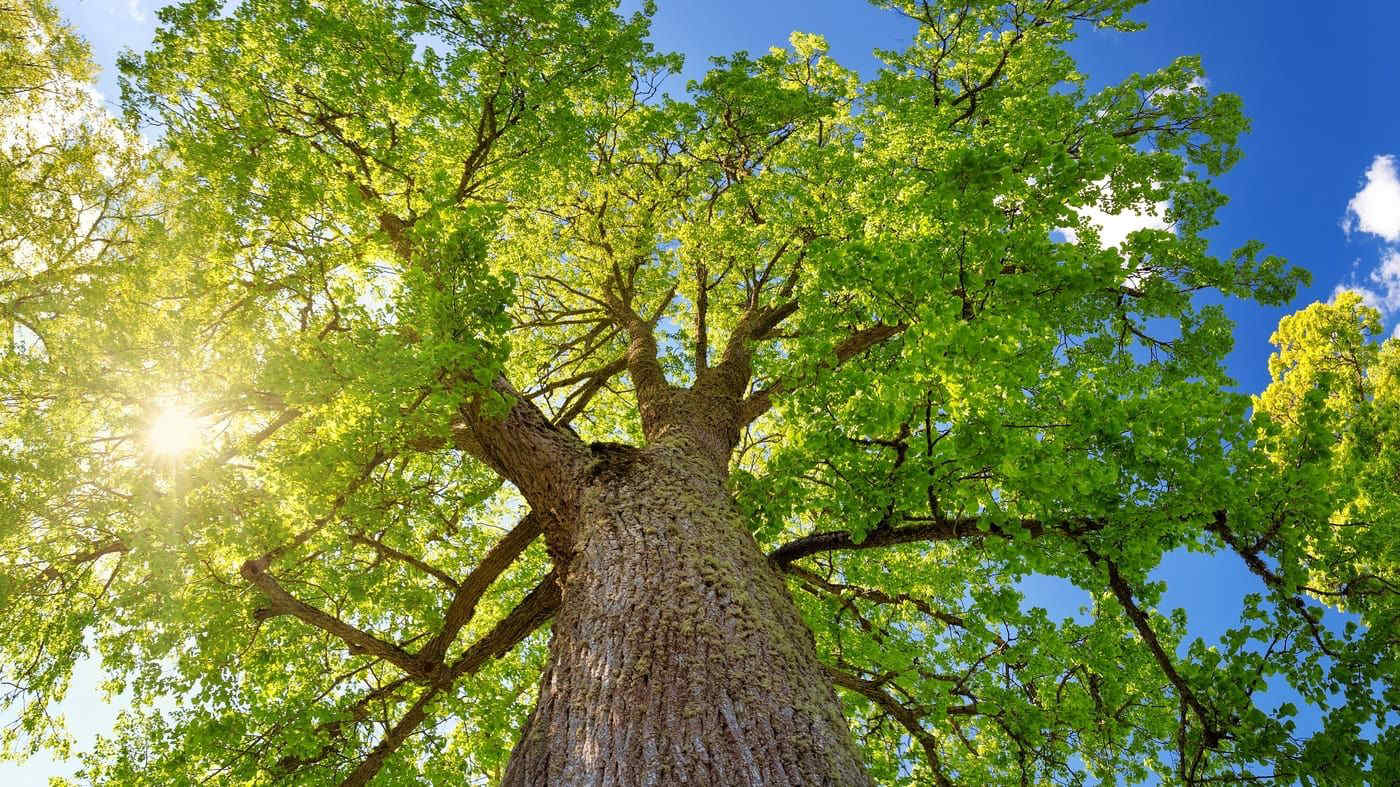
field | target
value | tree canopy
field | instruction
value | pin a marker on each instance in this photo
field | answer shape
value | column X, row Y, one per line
column 263, row 377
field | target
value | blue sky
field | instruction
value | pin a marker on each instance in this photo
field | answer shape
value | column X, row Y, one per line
column 1318, row 80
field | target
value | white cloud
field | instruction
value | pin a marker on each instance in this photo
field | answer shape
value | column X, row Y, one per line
column 1114, row 228
column 133, row 9
column 1376, row 208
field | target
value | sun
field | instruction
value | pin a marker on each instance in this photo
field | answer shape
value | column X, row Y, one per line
column 173, row 432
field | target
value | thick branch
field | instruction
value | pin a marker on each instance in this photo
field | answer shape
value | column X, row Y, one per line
column 907, row 718
column 111, row 547
column 255, row 571
column 396, row 737
column 1124, row 594
column 643, row 358
column 471, row 589
column 702, row 308
column 115, row 546
column 854, row 344
column 542, row 459
column 729, row 377
column 532, row 612
column 939, row 530
column 258, row 438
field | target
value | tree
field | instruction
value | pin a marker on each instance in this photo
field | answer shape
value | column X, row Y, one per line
column 439, row 401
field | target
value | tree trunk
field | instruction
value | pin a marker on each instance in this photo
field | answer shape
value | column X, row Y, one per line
column 678, row 656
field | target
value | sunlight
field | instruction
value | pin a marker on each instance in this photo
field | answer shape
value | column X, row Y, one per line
column 174, row 431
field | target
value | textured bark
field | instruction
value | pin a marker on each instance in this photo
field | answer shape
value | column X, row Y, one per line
column 543, row 460
column 678, row 656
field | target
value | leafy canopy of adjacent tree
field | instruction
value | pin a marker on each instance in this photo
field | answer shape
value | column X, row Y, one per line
column 367, row 217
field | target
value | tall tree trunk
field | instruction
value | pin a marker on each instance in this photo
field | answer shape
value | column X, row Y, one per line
column 678, row 656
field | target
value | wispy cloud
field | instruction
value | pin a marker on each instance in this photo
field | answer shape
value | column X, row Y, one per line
column 1386, row 278
column 133, row 9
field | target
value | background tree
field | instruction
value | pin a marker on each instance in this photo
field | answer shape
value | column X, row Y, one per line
column 430, row 323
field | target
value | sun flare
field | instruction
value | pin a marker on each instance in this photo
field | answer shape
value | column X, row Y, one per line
column 174, row 431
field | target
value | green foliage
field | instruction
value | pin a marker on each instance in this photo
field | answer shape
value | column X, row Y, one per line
column 361, row 213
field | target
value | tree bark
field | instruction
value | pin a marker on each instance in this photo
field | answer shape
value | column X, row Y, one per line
column 678, row 656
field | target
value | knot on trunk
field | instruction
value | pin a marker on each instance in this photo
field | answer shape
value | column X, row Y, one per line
column 611, row 461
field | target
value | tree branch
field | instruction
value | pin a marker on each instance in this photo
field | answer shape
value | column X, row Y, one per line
column 469, row 592
column 702, row 308
column 643, row 360
column 1124, row 594
column 729, row 377
column 577, row 401
column 542, row 459
column 389, row 552
column 359, row 711
column 906, row 717
column 854, row 344
column 938, row 530
column 376, row 459
column 1219, row 526
column 255, row 571
column 533, row 611
column 878, row 596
